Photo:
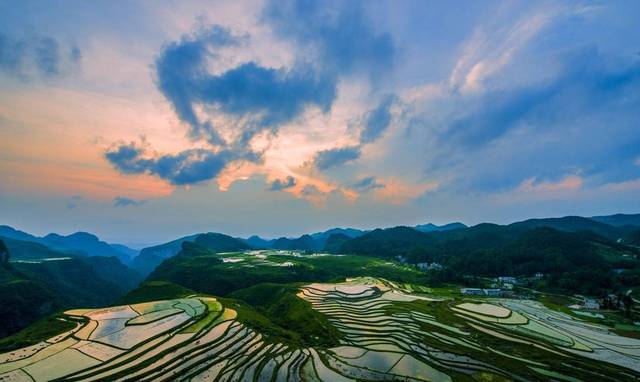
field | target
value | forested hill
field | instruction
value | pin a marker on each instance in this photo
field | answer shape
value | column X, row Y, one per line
column 36, row 281
column 418, row 246
column 580, row 261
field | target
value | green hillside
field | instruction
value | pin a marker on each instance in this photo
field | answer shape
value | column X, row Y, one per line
column 40, row 281
column 579, row 262
column 205, row 271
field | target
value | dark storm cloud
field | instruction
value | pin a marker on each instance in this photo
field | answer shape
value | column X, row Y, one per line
column 186, row 167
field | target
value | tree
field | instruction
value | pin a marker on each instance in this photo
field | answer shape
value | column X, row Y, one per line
column 4, row 254
column 628, row 304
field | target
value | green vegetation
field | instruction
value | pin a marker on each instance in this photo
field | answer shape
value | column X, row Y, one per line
column 38, row 331
column 297, row 322
column 23, row 302
column 633, row 238
column 375, row 330
column 28, row 250
column 155, row 290
column 574, row 262
column 32, row 286
column 150, row 258
column 214, row 311
column 335, row 241
column 4, row 255
column 204, row 271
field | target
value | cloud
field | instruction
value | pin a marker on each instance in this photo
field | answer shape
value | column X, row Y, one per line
column 341, row 37
column 399, row 191
column 327, row 159
column 279, row 185
column 246, row 99
column 366, row 184
column 627, row 185
column 186, row 167
column 487, row 52
column 230, row 106
column 377, row 120
column 36, row 56
column 581, row 118
column 122, row 201
column 315, row 195
column 255, row 97
column 568, row 183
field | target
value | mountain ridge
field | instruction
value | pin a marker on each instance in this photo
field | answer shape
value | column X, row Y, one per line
column 80, row 243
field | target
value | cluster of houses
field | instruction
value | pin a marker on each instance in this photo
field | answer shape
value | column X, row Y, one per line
column 501, row 287
column 430, row 266
column 492, row 292
column 587, row 303
column 609, row 302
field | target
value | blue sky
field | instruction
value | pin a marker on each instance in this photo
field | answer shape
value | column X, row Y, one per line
column 144, row 121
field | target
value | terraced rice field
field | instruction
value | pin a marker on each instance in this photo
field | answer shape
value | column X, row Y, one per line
column 389, row 334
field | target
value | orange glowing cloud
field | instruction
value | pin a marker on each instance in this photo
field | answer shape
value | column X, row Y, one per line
column 568, row 183
column 397, row 191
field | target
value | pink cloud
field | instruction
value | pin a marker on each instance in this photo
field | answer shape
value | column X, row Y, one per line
column 629, row 185
column 568, row 183
column 397, row 191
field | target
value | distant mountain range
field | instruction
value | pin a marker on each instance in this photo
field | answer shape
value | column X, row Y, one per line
column 435, row 228
column 79, row 243
column 614, row 227
column 619, row 220
column 149, row 258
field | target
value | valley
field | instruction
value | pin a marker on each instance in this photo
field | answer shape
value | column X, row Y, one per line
column 396, row 304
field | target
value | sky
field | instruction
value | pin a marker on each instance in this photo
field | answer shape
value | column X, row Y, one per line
column 144, row 121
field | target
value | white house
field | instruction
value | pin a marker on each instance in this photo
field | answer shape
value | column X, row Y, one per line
column 590, row 303
column 508, row 279
column 471, row 291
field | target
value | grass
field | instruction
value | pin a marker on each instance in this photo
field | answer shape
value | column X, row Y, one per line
column 287, row 316
column 558, row 303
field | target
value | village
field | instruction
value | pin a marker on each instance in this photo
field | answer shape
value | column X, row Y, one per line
column 587, row 306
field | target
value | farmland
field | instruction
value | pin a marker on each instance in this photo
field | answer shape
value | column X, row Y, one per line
column 380, row 330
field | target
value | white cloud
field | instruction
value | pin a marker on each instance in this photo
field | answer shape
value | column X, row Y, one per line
column 491, row 48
